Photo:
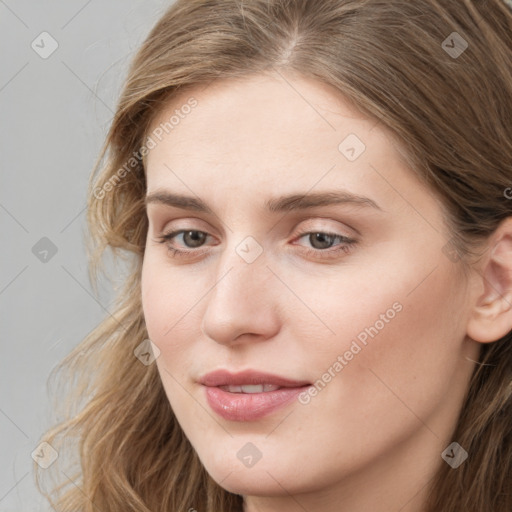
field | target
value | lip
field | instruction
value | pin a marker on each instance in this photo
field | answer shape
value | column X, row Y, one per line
column 226, row 378
column 248, row 406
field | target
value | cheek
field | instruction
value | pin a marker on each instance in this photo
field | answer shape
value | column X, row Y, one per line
column 167, row 301
column 168, row 311
column 154, row 300
column 397, row 333
column 171, row 301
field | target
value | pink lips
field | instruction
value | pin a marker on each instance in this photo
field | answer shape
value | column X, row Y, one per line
column 236, row 406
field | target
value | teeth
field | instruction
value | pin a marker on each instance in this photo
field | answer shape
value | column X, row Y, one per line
column 250, row 388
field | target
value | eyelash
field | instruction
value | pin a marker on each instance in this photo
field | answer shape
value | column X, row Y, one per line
column 345, row 246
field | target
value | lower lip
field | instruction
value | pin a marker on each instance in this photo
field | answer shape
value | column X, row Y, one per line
column 249, row 406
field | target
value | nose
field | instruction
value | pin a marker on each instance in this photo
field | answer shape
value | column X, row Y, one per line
column 242, row 306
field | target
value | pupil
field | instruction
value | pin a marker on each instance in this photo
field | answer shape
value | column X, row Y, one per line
column 325, row 240
column 198, row 238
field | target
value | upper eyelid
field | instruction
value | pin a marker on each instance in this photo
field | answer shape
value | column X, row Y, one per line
column 308, row 219
column 155, row 209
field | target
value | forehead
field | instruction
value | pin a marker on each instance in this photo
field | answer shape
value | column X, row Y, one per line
column 263, row 105
column 267, row 134
column 262, row 118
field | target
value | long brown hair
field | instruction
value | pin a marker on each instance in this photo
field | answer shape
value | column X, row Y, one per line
column 438, row 74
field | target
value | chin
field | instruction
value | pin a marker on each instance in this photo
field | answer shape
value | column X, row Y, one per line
column 249, row 482
column 267, row 477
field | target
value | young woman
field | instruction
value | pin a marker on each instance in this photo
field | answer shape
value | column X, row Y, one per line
column 315, row 198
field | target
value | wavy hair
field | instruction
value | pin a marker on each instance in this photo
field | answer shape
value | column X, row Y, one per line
column 450, row 106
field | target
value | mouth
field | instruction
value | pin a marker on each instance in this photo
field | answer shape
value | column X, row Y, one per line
column 249, row 378
column 249, row 395
column 250, row 388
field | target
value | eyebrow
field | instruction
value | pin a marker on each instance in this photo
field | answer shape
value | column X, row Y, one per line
column 287, row 203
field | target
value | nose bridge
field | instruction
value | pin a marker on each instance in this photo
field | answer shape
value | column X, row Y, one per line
column 240, row 300
column 241, row 274
column 242, row 265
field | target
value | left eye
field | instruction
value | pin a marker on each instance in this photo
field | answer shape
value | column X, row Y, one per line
column 323, row 244
column 321, row 240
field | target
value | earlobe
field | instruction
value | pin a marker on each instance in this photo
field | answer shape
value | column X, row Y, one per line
column 491, row 318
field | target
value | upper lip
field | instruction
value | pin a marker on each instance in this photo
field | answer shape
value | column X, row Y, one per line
column 226, row 378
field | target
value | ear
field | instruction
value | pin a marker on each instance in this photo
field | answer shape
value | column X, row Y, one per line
column 491, row 318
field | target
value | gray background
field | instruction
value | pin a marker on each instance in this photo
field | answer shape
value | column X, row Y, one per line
column 54, row 114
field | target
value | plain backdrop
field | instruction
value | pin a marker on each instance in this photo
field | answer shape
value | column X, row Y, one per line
column 62, row 67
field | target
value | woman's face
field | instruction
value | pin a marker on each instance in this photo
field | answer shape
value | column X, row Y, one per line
column 348, row 289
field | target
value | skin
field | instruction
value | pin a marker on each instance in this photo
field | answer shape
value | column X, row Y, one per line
column 372, row 438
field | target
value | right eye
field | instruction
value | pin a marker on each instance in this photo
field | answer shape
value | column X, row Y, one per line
column 192, row 238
